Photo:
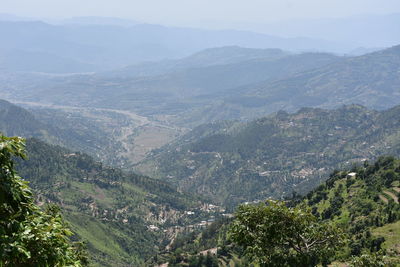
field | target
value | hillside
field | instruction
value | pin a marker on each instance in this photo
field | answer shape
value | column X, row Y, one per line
column 16, row 60
column 121, row 216
column 88, row 131
column 30, row 236
column 361, row 201
column 371, row 80
column 18, row 121
column 204, row 58
column 234, row 162
column 96, row 199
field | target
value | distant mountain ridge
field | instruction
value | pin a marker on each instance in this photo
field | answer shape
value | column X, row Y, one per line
column 168, row 87
column 223, row 83
column 371, row 80
column 205, row 58
column 375, row 73
column 95, row 47
column 93, row 20
column 372, row 29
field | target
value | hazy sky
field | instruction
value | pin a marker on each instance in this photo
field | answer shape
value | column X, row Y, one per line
column 181, row 11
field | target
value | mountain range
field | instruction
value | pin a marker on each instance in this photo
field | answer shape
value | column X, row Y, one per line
column 36, row 46
column 233, row 162
column 135, row 109
column 223, row 83
column 144, row 135
column 371, row 80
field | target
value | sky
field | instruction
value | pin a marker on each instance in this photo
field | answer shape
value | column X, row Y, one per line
column 200, row 11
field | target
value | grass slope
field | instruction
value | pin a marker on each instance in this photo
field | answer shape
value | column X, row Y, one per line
column 106, row 207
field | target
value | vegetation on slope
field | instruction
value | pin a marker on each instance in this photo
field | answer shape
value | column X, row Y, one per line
column 234, row 162
column 121, row 216
column 78, row 132
column 351, row 201
column 276, row 235
column 356, row 201
column 30, row 236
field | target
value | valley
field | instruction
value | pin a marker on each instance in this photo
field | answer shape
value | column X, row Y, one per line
column 123, row 217
column 140, row 144
column 133, row 136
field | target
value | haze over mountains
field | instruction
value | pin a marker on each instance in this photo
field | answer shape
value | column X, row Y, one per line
column 161, row 100
column 219, row 84
column 357, row 32
column 207, row 117
column 373, row 31
column 99, row 47
column 141, row 107
column 85, row 44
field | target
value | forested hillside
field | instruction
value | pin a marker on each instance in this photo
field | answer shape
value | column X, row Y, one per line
column 199, row 134
column 234, row 162
column 76, row 129
column 18, row 121
column 362, row 202
column 30, row 236
column 121, row 216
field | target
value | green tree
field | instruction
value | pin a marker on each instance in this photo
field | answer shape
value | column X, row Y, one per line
column 30, row 236
column 276, row 235
column 374, row 260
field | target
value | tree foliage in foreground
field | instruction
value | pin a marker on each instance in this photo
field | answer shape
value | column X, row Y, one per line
column 30, row 236
column 375, row 260
column 276, row 235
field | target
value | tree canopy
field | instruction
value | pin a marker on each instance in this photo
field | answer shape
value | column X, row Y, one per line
column 276, row 235
column 30, row 236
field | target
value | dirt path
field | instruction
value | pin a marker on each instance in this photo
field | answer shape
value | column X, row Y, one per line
column 384, row 199
column 140, row 120
column 212, row 251
column 393, row 196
